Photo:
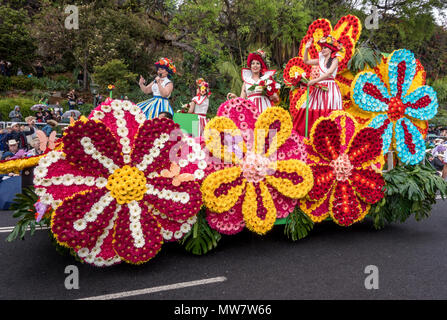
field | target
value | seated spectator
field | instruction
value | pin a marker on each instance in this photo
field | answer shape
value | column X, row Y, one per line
column 36, row 148
column 4, row 138
column 80, row 102
column 50, row 127
column 39, row 116
column 165, row 114
column 14, row 149
column 7, row 155
column 19, row 72
column 47, row 116
column 15, row 115
column 20, row 136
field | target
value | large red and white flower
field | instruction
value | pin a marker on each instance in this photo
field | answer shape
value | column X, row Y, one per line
column 116, row 194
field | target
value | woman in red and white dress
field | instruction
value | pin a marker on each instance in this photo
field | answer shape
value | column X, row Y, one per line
column 200, row 103
column 257, row 74
column 321, row 102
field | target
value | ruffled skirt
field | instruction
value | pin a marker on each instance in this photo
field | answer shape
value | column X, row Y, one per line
column 154, row 106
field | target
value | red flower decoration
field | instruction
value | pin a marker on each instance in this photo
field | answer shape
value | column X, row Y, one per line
column 345, row 161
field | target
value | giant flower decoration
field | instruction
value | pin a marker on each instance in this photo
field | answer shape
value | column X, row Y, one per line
column 261, row 174
column 399, row 105
column 346, row 32
column 346, row 162
column 116, row 193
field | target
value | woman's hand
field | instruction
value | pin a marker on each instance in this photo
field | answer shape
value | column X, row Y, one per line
column 142, row 81
column 231, row 96
column 311, row 83
column 309, row 43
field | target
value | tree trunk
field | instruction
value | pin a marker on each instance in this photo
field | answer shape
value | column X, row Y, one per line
column 85, row 70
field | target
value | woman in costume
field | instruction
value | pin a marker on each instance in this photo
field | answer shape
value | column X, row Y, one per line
column 321, row 102
column 161, row 88
column 200, row 103
column 257, row 74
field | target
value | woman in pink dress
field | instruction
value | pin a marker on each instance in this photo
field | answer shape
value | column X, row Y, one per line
column 321, row 102
column 256, row 74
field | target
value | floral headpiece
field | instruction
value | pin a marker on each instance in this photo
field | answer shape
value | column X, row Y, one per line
column 332, row 44
column 166, row 64
column 258, row 55
column 203, row 85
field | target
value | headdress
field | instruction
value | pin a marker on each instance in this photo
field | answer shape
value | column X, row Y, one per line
column 332, row 44
column 166, row 64
column 258, row 55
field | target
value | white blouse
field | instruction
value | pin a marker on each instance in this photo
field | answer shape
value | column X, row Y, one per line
column 202, row 104
column 164, row 83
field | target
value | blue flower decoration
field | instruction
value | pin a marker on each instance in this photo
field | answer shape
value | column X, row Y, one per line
column 395, row 110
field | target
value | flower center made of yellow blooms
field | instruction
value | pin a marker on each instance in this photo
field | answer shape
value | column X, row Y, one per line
column 127, row 184
column 342, row 167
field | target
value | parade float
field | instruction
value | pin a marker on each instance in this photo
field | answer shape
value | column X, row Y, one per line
column 119, row 186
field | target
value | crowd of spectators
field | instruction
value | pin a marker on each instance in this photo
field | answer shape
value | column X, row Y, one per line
column 437, row 149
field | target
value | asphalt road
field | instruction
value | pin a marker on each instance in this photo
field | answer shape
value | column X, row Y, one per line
column 329, row 264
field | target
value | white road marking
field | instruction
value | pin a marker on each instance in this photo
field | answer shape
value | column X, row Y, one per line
column 180, row 285
column 9, row 229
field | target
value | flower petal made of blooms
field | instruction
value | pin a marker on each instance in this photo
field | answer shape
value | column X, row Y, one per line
column 368, row 185
column 385, row 126
column 222, row 189
column 345, row 208
column 229, row 222
column 346, row 125
column 154, row 143
column 272, row 129
column 177, row 202
column 58, row 169
column 68, row 222
column 102, row 254
column 173, row 230
column 422, row 103
column 324, row 179
column 325, row 138
column 410, row 144
column 292, row 178
column 96, row 136
column 369, row 93
column 216, row 132
column 316, row 210
column 137, row 248
column 111, row 120
column 284, row 205
column 235, row 107
column 365, row 147
column 401, row 71
column 258, row 208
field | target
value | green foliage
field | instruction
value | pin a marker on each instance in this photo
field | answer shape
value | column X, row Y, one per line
column 16, row 44
column 232, row 71
column 298, row 225
column 23, row 209
column 60, row 84
column 8, row 104
column 5, row 84
column 440, row 86
column 114, row 72
column 21, row 83
column 410, row 190
column 201, row 238
column 85, row 109
column 364, row 56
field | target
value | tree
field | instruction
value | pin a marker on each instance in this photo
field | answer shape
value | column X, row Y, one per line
column 114, row 72
column 16, row 44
